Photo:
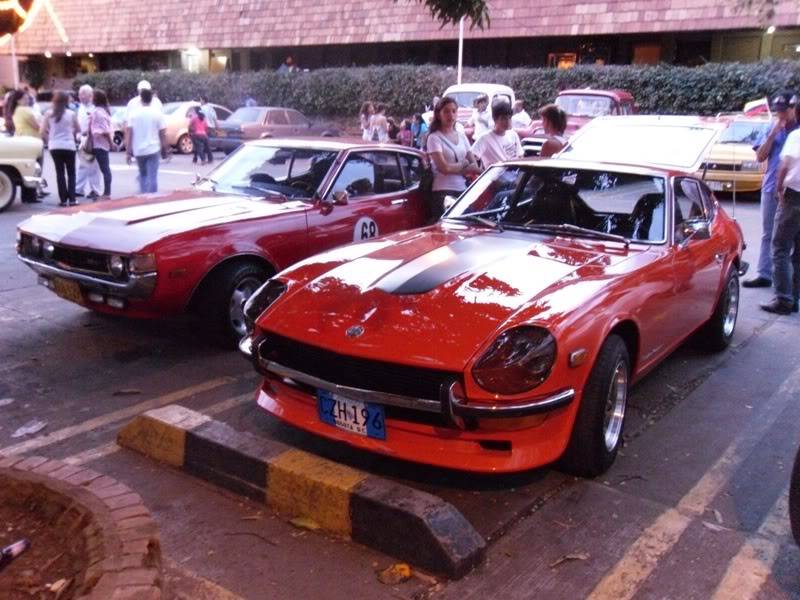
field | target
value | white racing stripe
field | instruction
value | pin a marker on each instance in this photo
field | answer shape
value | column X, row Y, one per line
column 642, row 557
column 750, row 568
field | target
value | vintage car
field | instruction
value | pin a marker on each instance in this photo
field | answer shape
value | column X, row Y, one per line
column 19, row 168
column 177, row 116
column 581, row 106
column 268, row 205
column 507, row 335
column 731, row 164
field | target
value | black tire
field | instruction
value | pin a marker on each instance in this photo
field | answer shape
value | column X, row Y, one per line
column 222, row 289
column 27, row 194
column 717, row 333
column 8, row 190
column 794, row 499
column 119, row 140
column 588, row 453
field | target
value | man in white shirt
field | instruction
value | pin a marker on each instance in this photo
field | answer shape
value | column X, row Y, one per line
column 786, row 235
column 146, row 141
column 136, row 101
column 481, row 120
column 88, row 171
column 520, row 119
column 502, row 142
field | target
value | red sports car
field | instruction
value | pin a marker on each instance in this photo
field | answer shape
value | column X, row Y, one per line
column 507, row 335
column 267, row 206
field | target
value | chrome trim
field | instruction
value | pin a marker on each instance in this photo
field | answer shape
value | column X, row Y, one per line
column 503, row 411
column 137, row 286
column 30, row 181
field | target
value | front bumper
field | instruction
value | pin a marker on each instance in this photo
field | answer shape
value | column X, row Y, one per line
column 31, row 181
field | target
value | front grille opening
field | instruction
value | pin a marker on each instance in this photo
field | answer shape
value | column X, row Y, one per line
column 496, row 445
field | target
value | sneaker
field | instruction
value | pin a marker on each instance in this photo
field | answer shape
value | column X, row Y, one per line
column 93, row 196
column 757, row 282
column 778, row 307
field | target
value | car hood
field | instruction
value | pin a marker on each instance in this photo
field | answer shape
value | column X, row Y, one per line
column 131, row 224
column 731, row 153
column 443, row 287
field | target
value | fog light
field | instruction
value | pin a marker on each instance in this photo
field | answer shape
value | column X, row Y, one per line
column 96, row 298
column 116, row 264
column 49, row 249
column 115, row 302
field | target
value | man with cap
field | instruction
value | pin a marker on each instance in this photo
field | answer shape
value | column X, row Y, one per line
column 136, row 101
column 786, row 235
column 768, row 148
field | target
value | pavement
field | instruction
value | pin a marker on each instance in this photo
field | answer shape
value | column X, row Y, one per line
column 694, row 507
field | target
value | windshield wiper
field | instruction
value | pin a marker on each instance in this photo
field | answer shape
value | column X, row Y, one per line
column 569, row 228
column 477, row 218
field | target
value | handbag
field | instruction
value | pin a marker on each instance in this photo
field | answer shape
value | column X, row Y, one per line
column 86, row 147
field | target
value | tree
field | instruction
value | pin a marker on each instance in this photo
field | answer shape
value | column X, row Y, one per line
column 451, row 11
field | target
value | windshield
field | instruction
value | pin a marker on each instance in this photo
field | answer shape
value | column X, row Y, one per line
column 253, row 169
column 743, row 132
column 605, row 203
column 170, row 107
column 246, row 114
column 467, row 99
column 585, row 106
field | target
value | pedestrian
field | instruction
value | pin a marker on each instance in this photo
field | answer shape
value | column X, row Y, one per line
column 502, row 142
column 26, row 124
column 88, row 170
column 379, row 125
column 768, row 148
column 554, row 123
column 212, row 120
column 198, row 129
column 287, row 66
column 136, row 101
column 405, row 137
column 392, row 129
column 419, row 129
column 102, row 141
column 786, row 234
column 146, row 141
column 364, row 118
column 59, row 129
column 450, row 156
column 520, row 119
column 481, row 120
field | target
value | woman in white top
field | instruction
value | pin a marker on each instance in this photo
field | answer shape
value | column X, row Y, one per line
column 554, row 123
column 450, row 155
column 364, row 117
column 59, row 129
column 379, row 125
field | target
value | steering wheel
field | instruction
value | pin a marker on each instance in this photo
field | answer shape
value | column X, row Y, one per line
column 303, row 186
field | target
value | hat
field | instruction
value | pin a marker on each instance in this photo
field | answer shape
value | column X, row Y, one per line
column 782, row 101
column 143, row 85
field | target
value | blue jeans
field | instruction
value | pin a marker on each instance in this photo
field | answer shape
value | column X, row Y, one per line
column 101, row 156
column 148, row 172
column 786, row 248
column 769, row 202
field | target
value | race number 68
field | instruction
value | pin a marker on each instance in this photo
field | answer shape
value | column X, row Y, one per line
column 365, row 229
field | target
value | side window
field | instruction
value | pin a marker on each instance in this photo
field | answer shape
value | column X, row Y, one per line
column 277, row 117
column 357, row 177
column 388, row 176
column 190, row 111
column 295, row 118
column 222, row 112
column 709, row 202
column 412, row 169
column 688, row 202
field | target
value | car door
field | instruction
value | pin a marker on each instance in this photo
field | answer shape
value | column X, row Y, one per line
column 298, row 124
column 277, row 124
column 698, row 254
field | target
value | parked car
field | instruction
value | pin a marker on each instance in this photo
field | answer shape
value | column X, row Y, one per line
column 731, row 164
column 177, row 115
column 19, row 168
column 261, row 122
column 465, row 95
column 507, row 336
column 268, row 205
column 581, row 106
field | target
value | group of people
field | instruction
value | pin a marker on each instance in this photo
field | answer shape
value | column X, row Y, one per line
column 377, row 127
column 779, row 257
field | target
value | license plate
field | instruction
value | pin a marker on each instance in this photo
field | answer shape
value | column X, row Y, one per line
column 361, row 418
column 717, row 186
column 69, row 290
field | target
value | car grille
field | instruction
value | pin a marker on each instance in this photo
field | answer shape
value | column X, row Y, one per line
column 713, row 166
column 68, row 258
column 354, row 372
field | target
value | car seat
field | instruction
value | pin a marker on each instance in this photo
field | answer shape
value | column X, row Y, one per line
column 647, row 218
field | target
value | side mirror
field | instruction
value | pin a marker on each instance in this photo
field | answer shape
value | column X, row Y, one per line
column 341, row 198
column 449, row 201
column 694, row 230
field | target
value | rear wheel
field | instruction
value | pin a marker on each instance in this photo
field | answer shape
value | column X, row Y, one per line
column 185, row 144
column 597, row 433
column 119, row 140
column 222, row 299
column 8, row 190
column 717, row 333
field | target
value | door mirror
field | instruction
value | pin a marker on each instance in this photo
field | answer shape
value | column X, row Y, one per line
column 341, row 198
column 693, row 230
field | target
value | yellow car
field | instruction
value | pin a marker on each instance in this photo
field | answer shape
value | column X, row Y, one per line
column 731, row 163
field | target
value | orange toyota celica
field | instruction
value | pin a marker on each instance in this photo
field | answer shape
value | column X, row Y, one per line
column 507, row 335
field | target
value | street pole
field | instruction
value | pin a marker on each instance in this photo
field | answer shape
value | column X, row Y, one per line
column 460, row 47
column 14, row 63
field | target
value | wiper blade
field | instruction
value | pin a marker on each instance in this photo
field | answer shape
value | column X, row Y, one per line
column 569, row 228
column 477, row 218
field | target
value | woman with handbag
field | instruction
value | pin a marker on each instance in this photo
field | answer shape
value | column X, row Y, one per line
column 100, row 133
column 59, row 129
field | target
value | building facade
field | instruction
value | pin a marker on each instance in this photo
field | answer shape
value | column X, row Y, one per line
column 235, row 35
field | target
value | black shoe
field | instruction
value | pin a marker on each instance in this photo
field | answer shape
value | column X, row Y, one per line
column 79, row 194
column 778, row 306
column 32, row 201
column 73, row 203
column 62, row 204
column 757, row 282
column 92, row 195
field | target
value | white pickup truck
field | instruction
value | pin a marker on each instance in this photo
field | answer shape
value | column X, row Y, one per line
column 465, row 93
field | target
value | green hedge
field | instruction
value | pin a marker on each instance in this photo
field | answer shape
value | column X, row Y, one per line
column 663, row 89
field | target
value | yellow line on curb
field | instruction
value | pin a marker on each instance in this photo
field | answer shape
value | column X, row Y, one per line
column 112, row 417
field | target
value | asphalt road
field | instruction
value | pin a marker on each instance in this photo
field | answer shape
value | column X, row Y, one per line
column 695, row 506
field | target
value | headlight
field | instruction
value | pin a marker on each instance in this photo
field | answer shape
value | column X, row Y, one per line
column 750, row 165
column 519, row 360
column 116, row 264
column 142, row 263
column 261, row 299
column 49, row 249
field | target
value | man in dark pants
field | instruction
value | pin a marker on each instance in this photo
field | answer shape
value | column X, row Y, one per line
column 786, row 235
column 768, row 148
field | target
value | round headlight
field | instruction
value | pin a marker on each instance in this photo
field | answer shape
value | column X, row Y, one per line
column 518, row 361
column 116, row 264
column 261, row 299
column 49, row 249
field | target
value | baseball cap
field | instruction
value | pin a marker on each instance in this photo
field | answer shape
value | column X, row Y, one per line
column 143, row 85
column 782, row 100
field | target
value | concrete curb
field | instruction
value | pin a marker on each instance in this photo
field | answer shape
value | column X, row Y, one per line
column 393, row 518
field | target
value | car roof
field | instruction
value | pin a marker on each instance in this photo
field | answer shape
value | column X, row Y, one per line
column 617, row 94
column 478, row 87
column 332, row 143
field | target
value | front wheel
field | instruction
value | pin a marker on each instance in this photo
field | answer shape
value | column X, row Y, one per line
column 597, row 433
column 717, row 333
column 8, row 191
column 185, row 144
column 119, row 140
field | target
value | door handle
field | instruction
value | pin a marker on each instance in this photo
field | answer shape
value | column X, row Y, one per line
column 399, row 201
column 719, row 257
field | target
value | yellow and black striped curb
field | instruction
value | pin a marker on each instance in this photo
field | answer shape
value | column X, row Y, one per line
column 400, row 521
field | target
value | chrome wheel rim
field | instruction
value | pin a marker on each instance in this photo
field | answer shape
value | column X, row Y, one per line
column 187, row 145
column 616, row 401
column 731, row 308
column 6, row 190
column 240, row 294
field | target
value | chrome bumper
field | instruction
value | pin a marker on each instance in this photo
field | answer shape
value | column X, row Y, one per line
column 136, row 286
column 452, row 407
column 31, row 182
